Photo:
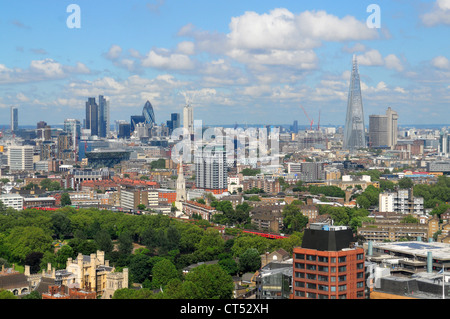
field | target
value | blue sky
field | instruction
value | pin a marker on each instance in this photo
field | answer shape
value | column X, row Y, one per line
column 236, row 61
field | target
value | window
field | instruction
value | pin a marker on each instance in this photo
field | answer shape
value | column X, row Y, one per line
column 342, row 259
column 310, row 267
column 311, row 276
column 299, row 266
column 311, row 257
column 311, row 286
column 342, row 268
column 311, row 295
column 323, row 268
column 299, row 256
column 322, row 278
column 323, row 259
column 323, row 287
column 342, row 287
column 342, row 278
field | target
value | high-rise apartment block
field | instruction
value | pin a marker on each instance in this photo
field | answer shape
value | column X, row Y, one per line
column 401, row 201
column 188, row 118
column 383, row 129
column 211, row 170
column 308, row 171
column 444, row 143
column 14, row 119
column 328, row 265
column 20, row 158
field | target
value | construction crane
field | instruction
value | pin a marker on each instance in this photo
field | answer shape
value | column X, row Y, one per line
column 311, row 121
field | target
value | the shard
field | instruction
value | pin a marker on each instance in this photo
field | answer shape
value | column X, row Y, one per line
column 354, row 130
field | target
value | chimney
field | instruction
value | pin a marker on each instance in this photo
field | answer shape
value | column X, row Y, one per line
column 27, row 271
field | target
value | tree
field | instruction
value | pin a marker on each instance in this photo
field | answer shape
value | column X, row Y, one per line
column 125, row 241
column 61, row 225
column 163, row 272
column 293, row 219
column 32, row 295
column 23, row 240
column 405, row 182
column 65, row 200
column 6, row 294
column 210, row 246
column 409, row 219
column 250, row 172
column 209, row 282
column 103, row 241
column 62, row 255
column 249, row 261
column 33, row 260
column 363, row 202
column 140, row 268
column 229, row 265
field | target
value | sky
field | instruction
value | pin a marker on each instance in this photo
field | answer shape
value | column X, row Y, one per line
column 246, row 62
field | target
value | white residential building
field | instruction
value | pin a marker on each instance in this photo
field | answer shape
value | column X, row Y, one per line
column 12, row 200
column 20, row 158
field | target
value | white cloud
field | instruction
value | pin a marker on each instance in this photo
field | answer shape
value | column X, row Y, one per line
column 283, row 30
column 440, row 14
column 164, row 59
column 21, row 97
column 371, row 58
column 324, row 26
column 374, row 58
column 393, row 62
column 41, row 70
column 47, row 67
column 186, row 47
column 441, row 62
column 114, row 52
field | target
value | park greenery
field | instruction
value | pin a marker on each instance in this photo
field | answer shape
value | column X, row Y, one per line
column 155, row 248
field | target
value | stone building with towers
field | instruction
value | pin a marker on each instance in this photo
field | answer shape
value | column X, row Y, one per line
column 89, row 273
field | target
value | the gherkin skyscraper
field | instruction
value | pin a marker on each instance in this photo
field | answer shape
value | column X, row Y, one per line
column 354, row 134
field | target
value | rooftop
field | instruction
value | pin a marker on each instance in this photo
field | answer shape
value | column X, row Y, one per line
column 417, row 248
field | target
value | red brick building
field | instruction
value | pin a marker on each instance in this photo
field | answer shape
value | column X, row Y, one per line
column 62, row 292
column 167, row 195
column 327, row 266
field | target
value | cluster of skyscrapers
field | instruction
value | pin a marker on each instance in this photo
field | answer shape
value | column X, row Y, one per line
column 97, row 116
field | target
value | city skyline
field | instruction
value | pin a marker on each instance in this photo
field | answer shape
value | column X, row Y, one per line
column 251, row 62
